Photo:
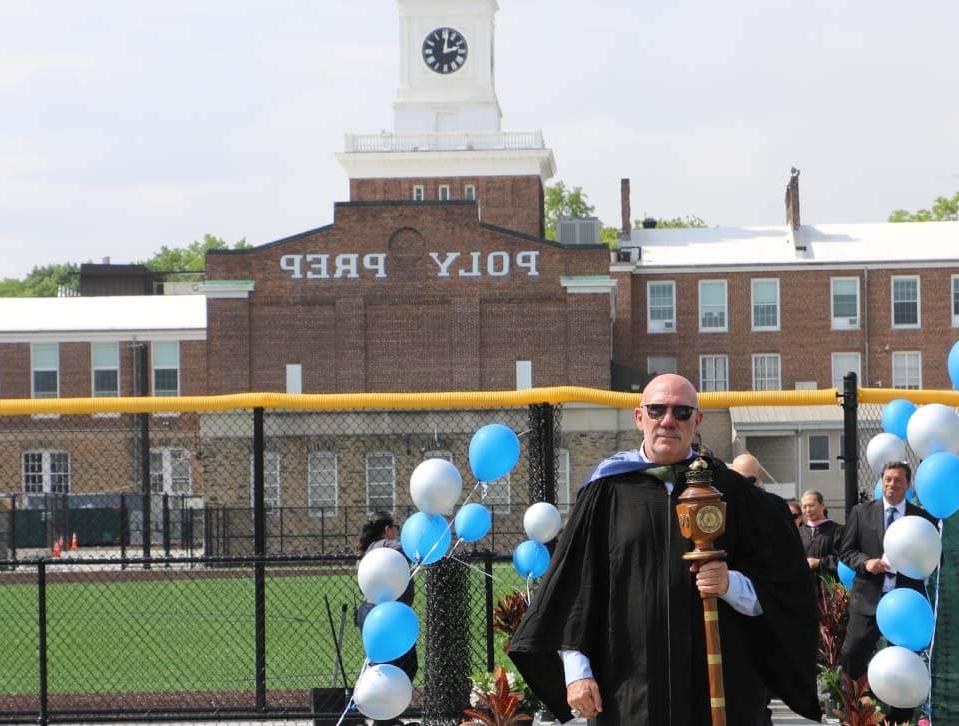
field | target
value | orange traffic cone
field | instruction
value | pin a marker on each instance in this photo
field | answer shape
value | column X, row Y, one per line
column 74, row 545
column 56, row 548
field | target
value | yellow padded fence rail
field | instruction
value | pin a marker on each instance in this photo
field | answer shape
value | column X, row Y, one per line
column 408, row 401
column 451, row 400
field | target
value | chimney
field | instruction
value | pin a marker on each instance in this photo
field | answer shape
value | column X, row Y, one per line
column 624, row 205
column 792, row 200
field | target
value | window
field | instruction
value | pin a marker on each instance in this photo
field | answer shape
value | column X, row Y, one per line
column 45, row 369
column 271, row 482
column 843, row 363
column 766, row 372
column 46, row 472
column 322, row 480
column 765, row 304
column 562, row 480
column 444, row 193
column 656, row 364
column 845, row 302
column 712, row 306
column 905, row 302
column 955, row 301
column 469, row 192
column 818, row 452
column 661, row 307
column 106, row 369
column 907, row 369
column 380, row 481
column 497, row 497
column 713, row 373
column 166, row 369
column 419, row 193
column 170, row 471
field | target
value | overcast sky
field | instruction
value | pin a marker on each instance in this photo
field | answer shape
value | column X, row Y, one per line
column 126, row 125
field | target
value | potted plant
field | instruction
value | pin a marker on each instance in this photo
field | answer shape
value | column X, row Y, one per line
column 496, row 704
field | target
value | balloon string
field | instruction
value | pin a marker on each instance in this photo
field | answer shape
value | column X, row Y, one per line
column 529, row 596
column 449, row 525
column 482, row 572
column 366, row 663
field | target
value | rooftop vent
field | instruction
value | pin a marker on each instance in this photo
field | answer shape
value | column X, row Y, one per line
column 578, row 230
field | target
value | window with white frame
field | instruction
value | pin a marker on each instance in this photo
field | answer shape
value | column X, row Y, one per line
column 767, row 372
column 844, row 296
column 955, row 301
column 170, row 471
column 818, row 452
column 656, row 364
column 380, row 481
column 322, row 483
column 661, row 307
column 45, row 370
column 46, row 472
column 166, row 368
column 562, row 480
column 443, row 193
column 765, row 296
column 905, row 301
column 843, row 363
column 105, row 362
column 469, row 192
column 712, row 306
column 271, row 482
column 497, row 497
column 419, row 193
column 907, row 369
column 713, row 373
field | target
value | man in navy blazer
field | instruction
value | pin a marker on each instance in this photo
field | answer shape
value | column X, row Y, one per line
column 862, row 550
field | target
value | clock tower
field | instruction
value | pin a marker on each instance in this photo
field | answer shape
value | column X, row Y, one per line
column 446, row 67
column 447, row 142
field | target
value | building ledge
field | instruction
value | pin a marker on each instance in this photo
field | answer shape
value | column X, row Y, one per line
column 228, row 288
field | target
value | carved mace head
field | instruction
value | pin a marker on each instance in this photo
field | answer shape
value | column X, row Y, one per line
column 701, row 513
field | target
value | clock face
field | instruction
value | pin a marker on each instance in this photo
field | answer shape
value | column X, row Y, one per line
column 444, row 50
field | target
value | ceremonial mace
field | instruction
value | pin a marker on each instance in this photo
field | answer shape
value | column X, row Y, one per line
column 702, row 518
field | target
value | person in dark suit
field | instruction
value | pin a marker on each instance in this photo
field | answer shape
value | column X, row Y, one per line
column 862, row 550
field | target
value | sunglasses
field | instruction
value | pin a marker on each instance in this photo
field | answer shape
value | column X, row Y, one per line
column 657, row 410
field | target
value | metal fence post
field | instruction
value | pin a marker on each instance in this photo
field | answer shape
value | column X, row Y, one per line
column 13, row 529
column 488, row 587
column 540, row 456
column 144, row 422
column 850, row 429
column 166, row 526
column 44, row 715
column 124, row 530
column 447, row 681
column 259, row 550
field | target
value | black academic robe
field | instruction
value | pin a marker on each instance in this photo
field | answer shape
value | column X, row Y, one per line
column 823, row 542
column 618, row 591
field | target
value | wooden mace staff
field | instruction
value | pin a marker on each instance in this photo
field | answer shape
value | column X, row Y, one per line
column 702, row 518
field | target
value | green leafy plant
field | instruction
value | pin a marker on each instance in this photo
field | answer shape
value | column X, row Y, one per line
column 508, row 613
column 498, row 705
column 856, row 706
column 833, row 619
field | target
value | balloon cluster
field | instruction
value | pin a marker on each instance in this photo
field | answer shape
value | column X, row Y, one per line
column 391, row 628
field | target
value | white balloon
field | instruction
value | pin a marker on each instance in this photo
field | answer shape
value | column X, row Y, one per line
column 384, row 574
column 382, row 692
column 436, row 486
column 542, row 522
column 913, row 546
column 933, row 428
column 883, row 448
column 899, row 677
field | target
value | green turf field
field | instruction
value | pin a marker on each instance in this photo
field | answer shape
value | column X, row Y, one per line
column 112, row 636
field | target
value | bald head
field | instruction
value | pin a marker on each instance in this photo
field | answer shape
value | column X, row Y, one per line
column 748, row 466
column 668, row 417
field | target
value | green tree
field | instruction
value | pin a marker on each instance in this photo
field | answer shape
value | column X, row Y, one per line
column 674, row 222
column 43, row 281
column 943, row 210
column 191, row 257
column 560, row 201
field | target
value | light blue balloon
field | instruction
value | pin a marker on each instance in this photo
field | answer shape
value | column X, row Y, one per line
column 530, row 558
column 905, row 618
column 389, row 631
column 494, row 451
column 937, row 484
column 895, row 417
column 472, row 522
column 877, row 490
column 952, row 365
column 846, row 575
column 425, row 538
